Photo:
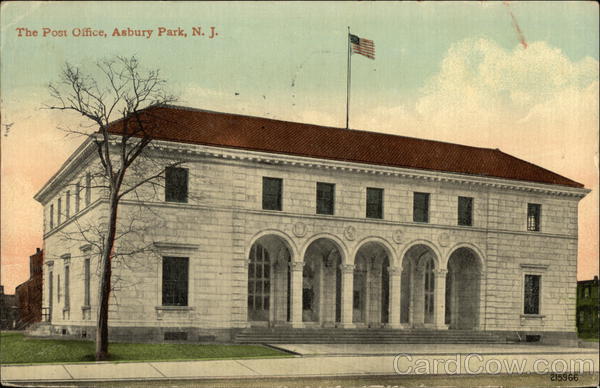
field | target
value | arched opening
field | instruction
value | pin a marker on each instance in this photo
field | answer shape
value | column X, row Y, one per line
column 417, row 297
column 371, row 292
column 269, row 281
column 321, row 283
column 463, row 289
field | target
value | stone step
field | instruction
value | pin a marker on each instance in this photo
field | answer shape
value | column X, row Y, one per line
column 396, row 336
column 358, row 334
column 364, row 341
column 369, row 331
column 360, row 337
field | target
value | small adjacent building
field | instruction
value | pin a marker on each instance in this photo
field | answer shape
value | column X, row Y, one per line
column 269, row 223
column 587, row 307
column 8, row 310
column 29, row 293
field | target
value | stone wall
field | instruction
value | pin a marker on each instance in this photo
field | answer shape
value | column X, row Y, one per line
column 223, row 217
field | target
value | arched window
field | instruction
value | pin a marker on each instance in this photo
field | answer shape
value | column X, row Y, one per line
column 429, row 290
column 259, row 283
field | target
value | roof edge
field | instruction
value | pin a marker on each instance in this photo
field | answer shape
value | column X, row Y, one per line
column 579, row 185
column 64, row 168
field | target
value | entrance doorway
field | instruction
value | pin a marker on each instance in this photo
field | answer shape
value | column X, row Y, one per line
column 269, row 281
column 463, row 290
column 321, row 283
column 417, row 297
column 371, row 292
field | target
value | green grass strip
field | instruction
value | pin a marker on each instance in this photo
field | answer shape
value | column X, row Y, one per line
column 15, row 348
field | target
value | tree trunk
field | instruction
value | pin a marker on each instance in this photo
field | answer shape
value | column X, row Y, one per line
column 105, row 283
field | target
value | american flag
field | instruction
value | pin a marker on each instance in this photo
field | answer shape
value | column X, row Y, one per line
column 363, row 46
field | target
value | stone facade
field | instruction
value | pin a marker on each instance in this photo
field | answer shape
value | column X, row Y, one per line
column 360, row 272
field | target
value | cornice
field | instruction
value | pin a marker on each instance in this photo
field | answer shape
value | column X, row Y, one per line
column 193, row 151
column 69, row 166
column 534, row 266
column 175, row 246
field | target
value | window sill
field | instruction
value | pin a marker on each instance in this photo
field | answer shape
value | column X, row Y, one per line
column 85, row 308
column 173, row 308
column 532, row 316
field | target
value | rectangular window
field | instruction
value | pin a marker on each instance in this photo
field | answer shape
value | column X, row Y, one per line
column 59, row 211
column 67, row 298
column 77, row 196
column 421, row 207
column 272, row 190
column 532, row 294
column 465, row 211
column 88, row 189
column 374, row 203
column 325, row 198
column 86, row 282
column 68, row 205
column 50, row 290
column 51, row 216
column 175, row 281
column 176, row 184
column 58, row 287
column 533, row 217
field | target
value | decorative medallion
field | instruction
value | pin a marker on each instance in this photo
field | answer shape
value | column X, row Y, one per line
column 444, row 239
column 397, row 236
column 299, row 229
column 350, row 233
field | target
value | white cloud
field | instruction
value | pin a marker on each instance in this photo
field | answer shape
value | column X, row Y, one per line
column 483, row 89
column 534, row 103
column 481, row 85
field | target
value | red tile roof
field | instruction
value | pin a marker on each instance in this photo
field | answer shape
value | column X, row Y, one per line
column 187, row 125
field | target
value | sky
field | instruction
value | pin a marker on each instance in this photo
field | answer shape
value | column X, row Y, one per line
column 452, row 71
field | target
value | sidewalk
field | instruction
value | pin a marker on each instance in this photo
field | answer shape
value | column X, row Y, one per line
column 489, row 360
column 310, row 350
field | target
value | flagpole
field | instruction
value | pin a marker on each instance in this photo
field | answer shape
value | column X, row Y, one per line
column 348, row 81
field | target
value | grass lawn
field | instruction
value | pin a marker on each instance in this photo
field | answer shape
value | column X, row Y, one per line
column 15, row 348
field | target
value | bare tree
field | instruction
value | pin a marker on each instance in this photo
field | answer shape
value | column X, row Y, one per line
column 117, row 93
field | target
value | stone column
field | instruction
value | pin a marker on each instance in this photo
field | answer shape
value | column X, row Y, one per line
column 395, row 274
column 296, row 293
column 417, row 314
column 347, row 294
column 440, row 299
